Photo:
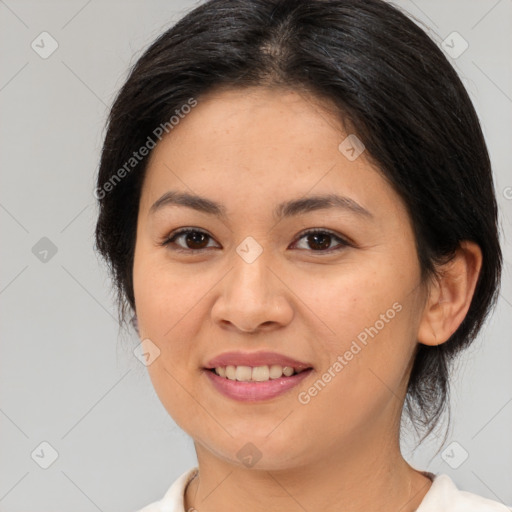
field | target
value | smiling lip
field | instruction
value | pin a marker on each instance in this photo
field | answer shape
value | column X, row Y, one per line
column 255, row 391
column 255, row 359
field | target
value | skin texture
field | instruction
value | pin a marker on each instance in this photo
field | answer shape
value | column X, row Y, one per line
column 250, row 150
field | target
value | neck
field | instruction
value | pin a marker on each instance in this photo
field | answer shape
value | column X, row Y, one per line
column 364, row 476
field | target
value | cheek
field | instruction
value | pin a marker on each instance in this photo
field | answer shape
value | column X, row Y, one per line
column 364, row 354
column 163, row 296
column 165, row 302
column 346, row 301
column 368, row 316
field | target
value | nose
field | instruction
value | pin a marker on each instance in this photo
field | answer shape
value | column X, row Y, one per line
column 252, row 297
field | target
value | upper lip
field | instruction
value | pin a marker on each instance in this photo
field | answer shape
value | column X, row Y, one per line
column 255, row 359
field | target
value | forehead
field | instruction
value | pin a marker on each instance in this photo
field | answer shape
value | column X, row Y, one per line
column 254, row 146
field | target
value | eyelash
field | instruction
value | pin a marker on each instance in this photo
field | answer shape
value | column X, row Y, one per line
column 173, row 236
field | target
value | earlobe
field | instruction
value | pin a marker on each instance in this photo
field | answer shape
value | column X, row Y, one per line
column 450, row 295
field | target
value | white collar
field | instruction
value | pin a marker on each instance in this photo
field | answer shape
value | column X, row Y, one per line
column 443, row 496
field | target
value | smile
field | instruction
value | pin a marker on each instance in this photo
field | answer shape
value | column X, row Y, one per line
column 255, row 383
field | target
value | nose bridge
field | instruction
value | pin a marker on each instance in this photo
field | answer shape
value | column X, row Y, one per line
column 251, row 295
column 250, row 275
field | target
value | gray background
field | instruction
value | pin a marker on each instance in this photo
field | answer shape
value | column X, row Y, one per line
column 67, row 376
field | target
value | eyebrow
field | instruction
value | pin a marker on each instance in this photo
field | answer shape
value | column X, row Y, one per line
column 283, row 210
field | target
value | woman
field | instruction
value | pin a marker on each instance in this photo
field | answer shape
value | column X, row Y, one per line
column 296, row 202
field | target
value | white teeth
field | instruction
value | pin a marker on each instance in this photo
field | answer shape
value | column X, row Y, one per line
column 260, row 373
column 230, row 372
column 243, row 373
column 275, row 371
column 256, row 373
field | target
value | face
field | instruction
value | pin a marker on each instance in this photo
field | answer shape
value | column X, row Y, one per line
column 249, row 276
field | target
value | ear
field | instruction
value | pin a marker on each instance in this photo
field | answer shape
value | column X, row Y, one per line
column 450, row 295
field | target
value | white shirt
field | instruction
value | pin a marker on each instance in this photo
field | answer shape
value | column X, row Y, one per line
column 443, row 496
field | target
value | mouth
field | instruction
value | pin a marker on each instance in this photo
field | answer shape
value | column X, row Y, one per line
column 255, row 377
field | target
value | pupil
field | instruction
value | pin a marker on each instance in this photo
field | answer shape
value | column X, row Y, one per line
column 195, row 239
column 323, row 244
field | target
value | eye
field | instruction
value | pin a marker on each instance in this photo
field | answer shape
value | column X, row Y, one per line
column 319, row 240
column 193, row 239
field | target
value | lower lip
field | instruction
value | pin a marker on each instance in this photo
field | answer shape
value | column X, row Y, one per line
column 255, row 391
